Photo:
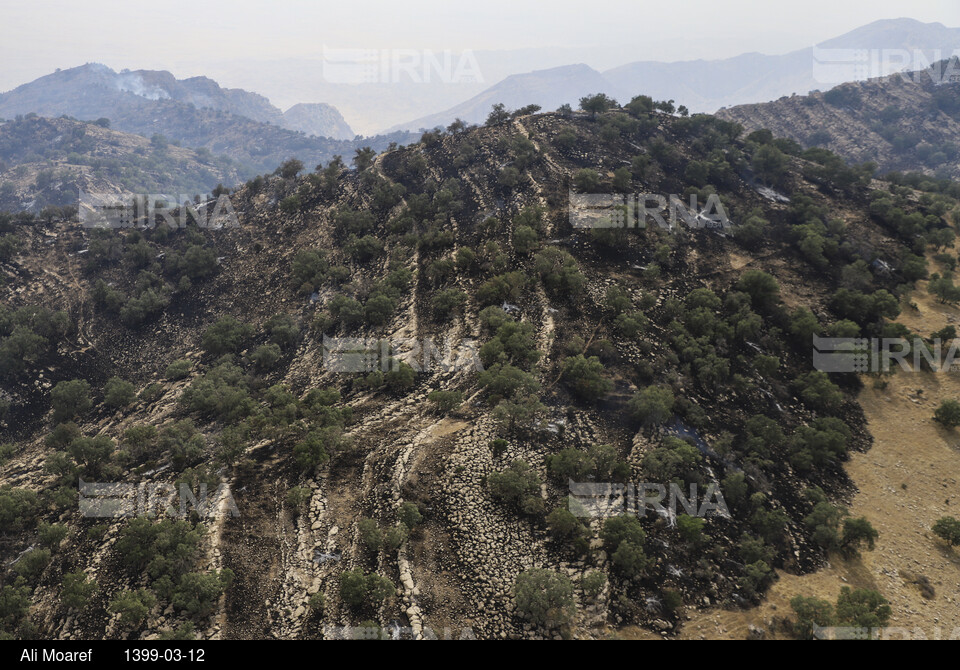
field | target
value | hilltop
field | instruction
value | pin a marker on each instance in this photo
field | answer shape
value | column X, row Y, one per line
column 434, row 495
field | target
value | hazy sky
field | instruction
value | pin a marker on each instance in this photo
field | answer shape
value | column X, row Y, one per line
column 38, row 36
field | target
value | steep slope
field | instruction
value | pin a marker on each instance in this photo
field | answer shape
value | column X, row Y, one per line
column 642, row 355
column 194, row 112
column 907, row 123
column 45, row 162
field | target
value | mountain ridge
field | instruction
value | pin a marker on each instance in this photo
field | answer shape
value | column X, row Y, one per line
column 709, row 85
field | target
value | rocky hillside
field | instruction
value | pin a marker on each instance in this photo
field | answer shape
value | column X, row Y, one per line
column 908, row 123
column 319, row 120
column 45, row 162
column 427, row 494
column 194, row 112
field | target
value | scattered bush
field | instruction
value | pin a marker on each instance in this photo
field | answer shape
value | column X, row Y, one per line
column 948, row 529
column 118, row 393
column 545, row 598
column 132, row 606
column 77, row 589
column 70, row 399
column 226, row 336
column 365, row 591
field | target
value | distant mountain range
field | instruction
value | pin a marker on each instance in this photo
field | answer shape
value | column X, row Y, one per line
column 194, row 112
column 547, row 88
column 94, row 90
column 706, row 86
column 244, row 126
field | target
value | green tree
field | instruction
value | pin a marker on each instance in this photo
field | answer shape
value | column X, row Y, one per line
column 545, row 598
column 92, row 453
column 183, row 632
column 266, row 357
column 948, row 414
column 526, row 240
column 770, row 164
column 197, row 593
column 370, row 535
column 630, row 560
column 862, row 608
column 364, row 591
column 756, row 577
column 364, row 158
column 297, row 497
column 226, row 336
column 818, row 392
column 498, row 115
column 586, row 180
column 585, row 378
column 178, row 370
column 14, row 604
column 566, row 527
column 675, row 460
column 394, row 537
column 690, row 528
column 761, row 287
column 857, row 532
column 652, row 406
column 51, row 534
column 409, row 515
column 118, row 393
column 77, row 589
column 516, row 485
column 597, row 104
column 291, row 168
column 948, row 529
column 812, row 613
column 132, row 606
column 446, row 401
column 32, row 564
column 593, row 584
column 446, row 302
column 70, row 399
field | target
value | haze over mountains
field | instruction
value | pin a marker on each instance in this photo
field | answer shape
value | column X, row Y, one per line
column 195, row 113
column 708, row 85
column 94, row 90
column 147, row 102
